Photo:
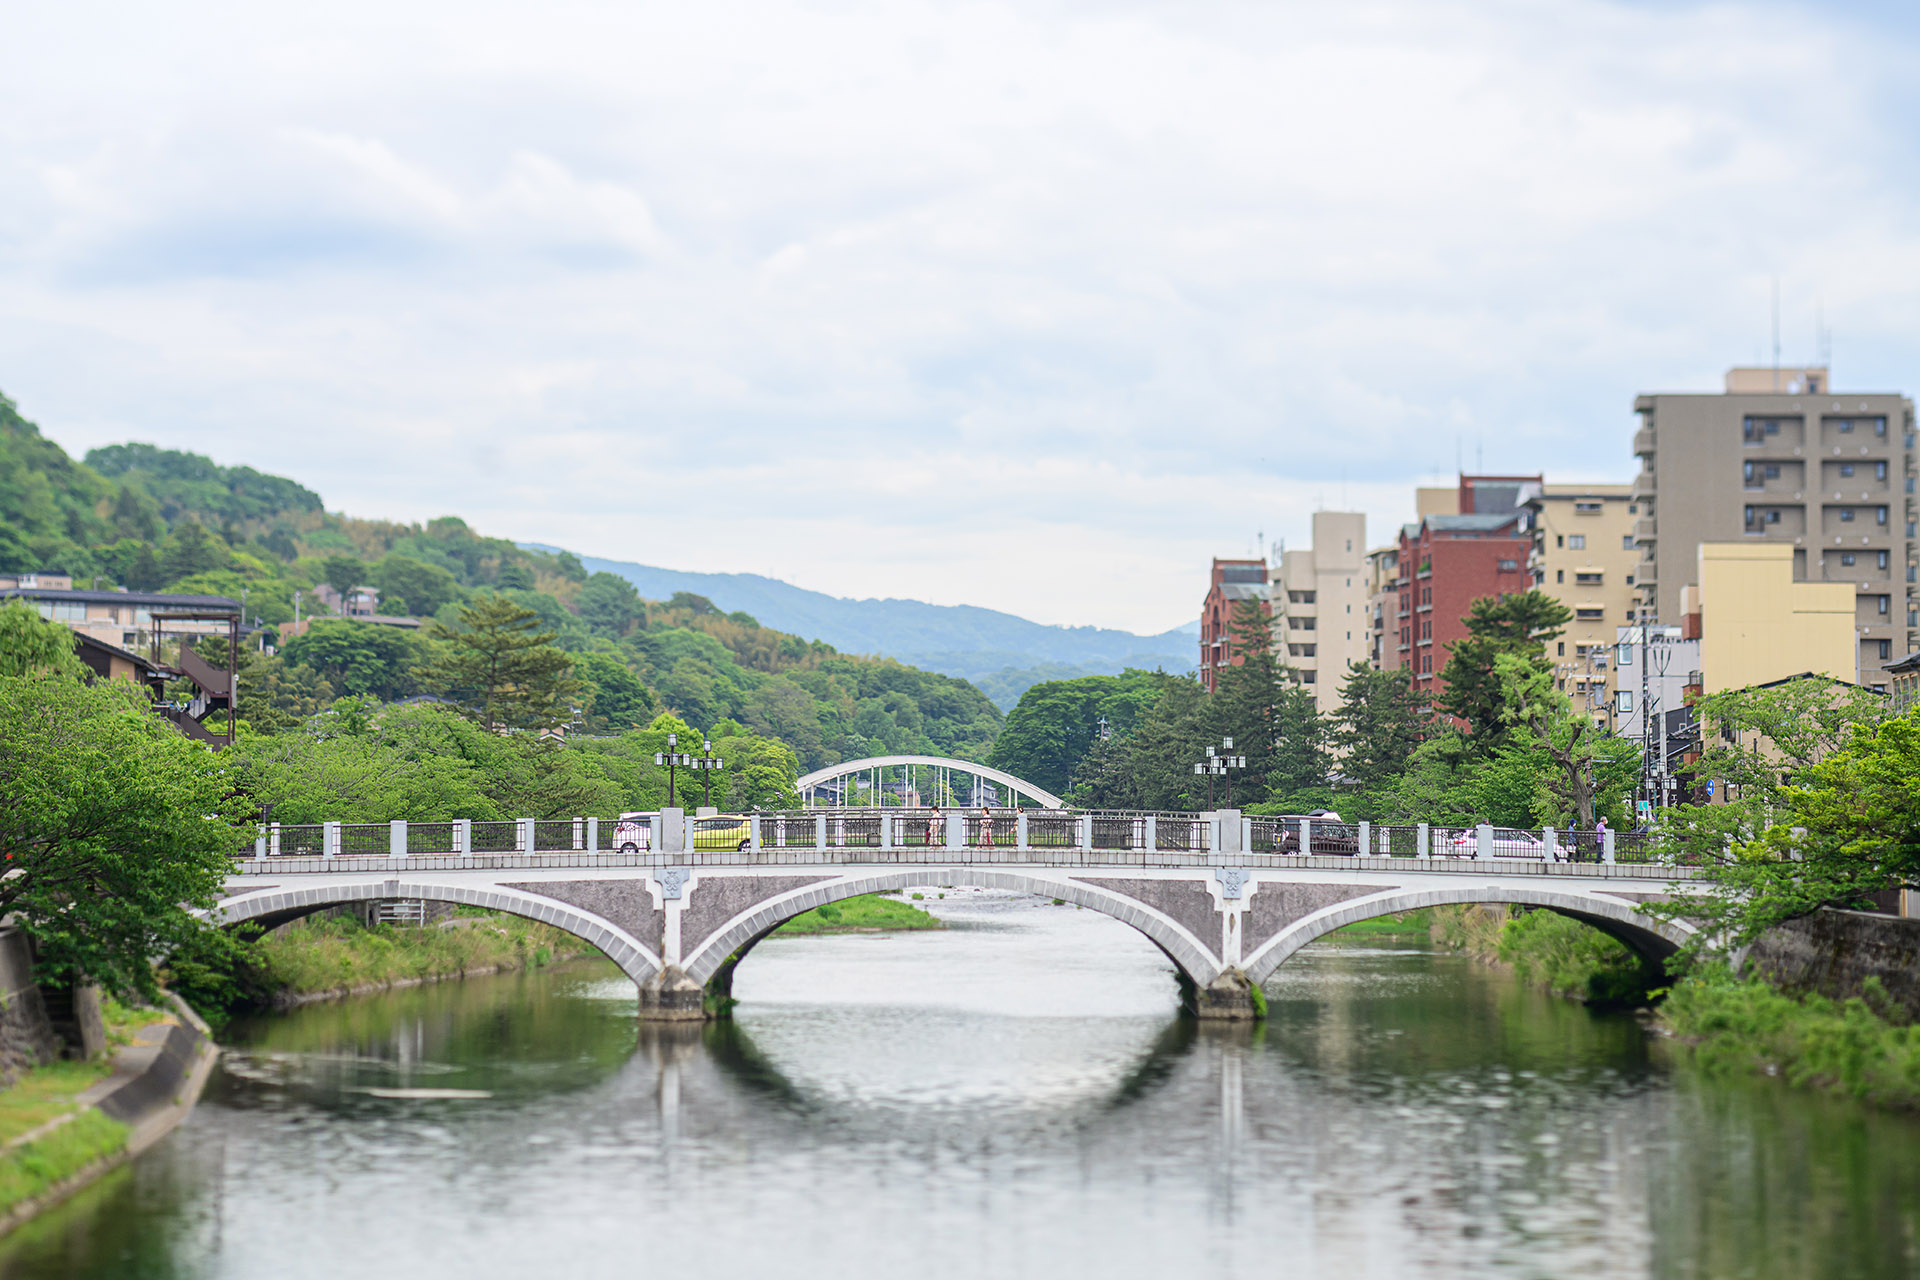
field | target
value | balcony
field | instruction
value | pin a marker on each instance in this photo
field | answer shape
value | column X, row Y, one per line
column 1643, row 442
column 1643, row 488
column 1643, row 531
column 1644, row 575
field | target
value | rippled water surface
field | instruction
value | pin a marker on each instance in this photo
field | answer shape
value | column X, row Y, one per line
column 1010, row 1097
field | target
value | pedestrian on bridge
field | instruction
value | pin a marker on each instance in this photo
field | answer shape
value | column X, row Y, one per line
column 986, row 827
column 933, row 825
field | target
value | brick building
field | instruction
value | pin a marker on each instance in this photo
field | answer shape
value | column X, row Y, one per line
column 1232, row 581
column 1446, row 563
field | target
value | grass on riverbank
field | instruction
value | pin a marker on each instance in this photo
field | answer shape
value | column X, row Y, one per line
column 1851, row 1047
column 324, row 954
column 862, row 914
column 1408, row 926
column 1548, row 950
column 33, row 1168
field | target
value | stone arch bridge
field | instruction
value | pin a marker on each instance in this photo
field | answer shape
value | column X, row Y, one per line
column 678, row 918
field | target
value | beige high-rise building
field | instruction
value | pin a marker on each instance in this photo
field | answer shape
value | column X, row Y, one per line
column 1320, row 619
column 1585, row 557
column 1383, row 607
column 1782, row 459
column 1757, row 624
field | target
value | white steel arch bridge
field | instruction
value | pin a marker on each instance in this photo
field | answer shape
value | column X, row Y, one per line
column 907, row 774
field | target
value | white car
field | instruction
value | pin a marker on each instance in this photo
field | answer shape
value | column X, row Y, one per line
column 633, row 832
column 1507, row 843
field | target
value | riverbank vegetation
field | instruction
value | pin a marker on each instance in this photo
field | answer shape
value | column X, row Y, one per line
column 1406, row 926
column 1548, row 950
column 1863, row 1047
column 335, row 954
column 868, row 913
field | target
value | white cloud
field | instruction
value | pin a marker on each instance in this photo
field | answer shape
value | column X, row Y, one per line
column 1032, row 306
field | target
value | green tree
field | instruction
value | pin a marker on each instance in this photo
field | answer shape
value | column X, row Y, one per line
column 1297, row 776
column 33, row 645
column 1532, row 705
column 115, row 827
column 411, row 587
column 619, row 699
column 1519, row 624
column 1847, row 827
column 609, row 605
column 501, row 671
column 343, row 574
column 1247, row 706
column 191, row 548
column 1382, row 718
column 354, row 657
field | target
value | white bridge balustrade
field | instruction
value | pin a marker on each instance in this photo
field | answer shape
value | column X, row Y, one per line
column 677, row 900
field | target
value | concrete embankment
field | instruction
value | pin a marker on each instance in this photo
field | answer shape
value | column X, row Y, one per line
column 151, row 1086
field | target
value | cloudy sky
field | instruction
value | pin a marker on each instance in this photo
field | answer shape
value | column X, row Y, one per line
column 1031, row 305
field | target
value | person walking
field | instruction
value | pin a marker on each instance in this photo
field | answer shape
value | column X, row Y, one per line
column 933, row 825
column 986, row 827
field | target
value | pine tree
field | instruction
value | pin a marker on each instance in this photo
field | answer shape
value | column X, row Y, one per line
column 1381, row 719
column 1518, row 624
column 500, row 671
column 1246, row 700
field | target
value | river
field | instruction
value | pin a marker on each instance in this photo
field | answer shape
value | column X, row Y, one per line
column 1011, row 1097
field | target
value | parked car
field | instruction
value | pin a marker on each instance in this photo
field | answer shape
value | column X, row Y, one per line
column 1508, row 842
column 1327, row 834
column 633, row 832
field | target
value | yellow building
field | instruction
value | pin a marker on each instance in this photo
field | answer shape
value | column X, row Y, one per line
column 1584, row 556
column 1757, row 624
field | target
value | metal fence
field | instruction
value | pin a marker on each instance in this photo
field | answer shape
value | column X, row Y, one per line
column 904, row 829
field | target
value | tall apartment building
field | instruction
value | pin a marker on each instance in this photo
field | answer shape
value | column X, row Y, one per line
column 1447, row 561
column 1320, row 621
column 1231, row 582
column 1383, row 607
column 1780, row 458
column 1584, row 556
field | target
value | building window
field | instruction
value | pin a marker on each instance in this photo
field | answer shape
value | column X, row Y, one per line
column 1588, row 579
column 1846, row 558
column 1880, row 560
column 1846, row 468
column 1886, row 650
column 1559, row 575
column 1623, row 655
column 1844, row 426
column 1559, row 540
column 1886, row 605
column 1846, row 515
column 1586, row 508
column 1509, row 566
column 1879, row 471
column 1563, row 649
column 1879, row 515
column 1623, row 701
column 1576, row 542
column 1590, row 615
column 1626, row 542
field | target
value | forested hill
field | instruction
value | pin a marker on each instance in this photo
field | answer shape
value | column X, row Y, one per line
column 1000, row 652
column 154, row 519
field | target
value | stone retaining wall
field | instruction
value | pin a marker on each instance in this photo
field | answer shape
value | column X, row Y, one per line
column 1833, row 952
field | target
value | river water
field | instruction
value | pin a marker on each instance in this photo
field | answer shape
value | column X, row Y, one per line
column 1011, row 1097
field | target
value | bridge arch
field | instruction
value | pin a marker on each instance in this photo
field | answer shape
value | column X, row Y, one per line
column 1654, row 940
column 874, row 764
column 276, row 906
column 732, row 940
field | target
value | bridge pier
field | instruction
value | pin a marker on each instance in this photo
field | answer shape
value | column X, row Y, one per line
column 1231, row 997
column 672, row 996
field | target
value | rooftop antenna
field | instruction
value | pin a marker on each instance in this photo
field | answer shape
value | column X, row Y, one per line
column 1776, row 333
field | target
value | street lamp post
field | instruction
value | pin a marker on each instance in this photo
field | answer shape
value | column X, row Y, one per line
column 671, row 758
column 706, row 764
column 1217, row 766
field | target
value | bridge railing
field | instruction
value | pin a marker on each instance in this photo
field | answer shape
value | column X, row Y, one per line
column 998, row 829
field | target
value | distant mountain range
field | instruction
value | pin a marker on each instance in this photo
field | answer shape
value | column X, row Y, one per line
column 1001, row 653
